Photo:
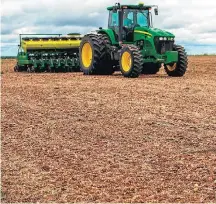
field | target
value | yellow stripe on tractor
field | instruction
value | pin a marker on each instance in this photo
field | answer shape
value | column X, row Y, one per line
column 143, row 32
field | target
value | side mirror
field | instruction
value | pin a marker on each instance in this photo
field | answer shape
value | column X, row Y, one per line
column 156, row 11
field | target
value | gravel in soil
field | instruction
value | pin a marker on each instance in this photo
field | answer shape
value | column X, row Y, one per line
column 73, row 138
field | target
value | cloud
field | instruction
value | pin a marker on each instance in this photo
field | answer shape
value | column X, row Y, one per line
column 192, row 21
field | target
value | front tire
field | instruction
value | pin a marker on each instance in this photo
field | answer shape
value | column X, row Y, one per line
column 179, row 68
column 16, row 68
column 131, row 61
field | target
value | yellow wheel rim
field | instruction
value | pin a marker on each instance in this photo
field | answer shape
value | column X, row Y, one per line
column 87, row 55
column 171, row 68
column 126, row 61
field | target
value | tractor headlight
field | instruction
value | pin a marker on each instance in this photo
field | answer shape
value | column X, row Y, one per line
column 163, row 38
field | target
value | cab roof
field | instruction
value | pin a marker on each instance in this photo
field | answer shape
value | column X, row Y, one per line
column 139, row 6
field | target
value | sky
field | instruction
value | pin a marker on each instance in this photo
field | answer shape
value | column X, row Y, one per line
column 192, row 21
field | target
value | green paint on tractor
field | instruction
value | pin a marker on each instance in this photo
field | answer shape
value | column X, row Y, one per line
column 130, row 44
column 133, row 45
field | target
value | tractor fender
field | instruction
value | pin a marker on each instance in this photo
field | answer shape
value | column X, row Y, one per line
column 110, row 33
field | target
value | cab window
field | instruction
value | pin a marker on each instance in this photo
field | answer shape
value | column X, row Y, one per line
column 113, row 19
column 128, row 18
column 142, row 19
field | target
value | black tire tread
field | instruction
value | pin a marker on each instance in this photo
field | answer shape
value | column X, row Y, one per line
column 182, row 62
column 96, row 47
column 106, row 61
column 137, row 61
column 101, row 60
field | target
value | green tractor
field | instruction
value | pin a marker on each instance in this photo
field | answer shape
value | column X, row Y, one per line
column 131, row 44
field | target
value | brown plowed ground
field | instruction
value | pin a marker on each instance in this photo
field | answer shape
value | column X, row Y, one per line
column 73, row 138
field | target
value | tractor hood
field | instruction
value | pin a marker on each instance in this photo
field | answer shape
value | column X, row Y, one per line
column 155, row 32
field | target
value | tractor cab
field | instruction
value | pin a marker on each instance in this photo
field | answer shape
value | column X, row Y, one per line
column 123, row 19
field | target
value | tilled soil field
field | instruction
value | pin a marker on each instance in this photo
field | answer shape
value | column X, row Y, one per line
column 73, row 138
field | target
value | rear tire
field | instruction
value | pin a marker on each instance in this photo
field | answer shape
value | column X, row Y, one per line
column 178, row 69
column 131, row 61
column 16, row 68
column 90, row 54
column 94, row 57
column 151, row 68
column 107, row 62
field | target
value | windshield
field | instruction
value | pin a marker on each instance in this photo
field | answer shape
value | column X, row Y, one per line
column 135, row 17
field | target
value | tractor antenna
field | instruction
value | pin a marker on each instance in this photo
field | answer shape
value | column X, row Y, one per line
column 118, row 5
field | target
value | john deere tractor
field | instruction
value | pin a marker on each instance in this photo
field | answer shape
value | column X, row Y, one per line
column 132, row 45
